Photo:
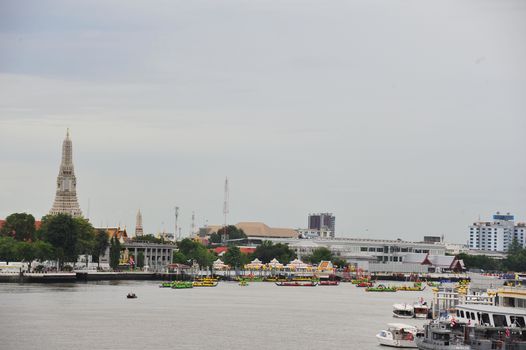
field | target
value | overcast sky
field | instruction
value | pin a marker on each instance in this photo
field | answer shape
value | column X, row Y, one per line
column 403, row 118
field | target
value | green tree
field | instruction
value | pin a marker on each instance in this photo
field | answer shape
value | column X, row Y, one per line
column 191, row 250
column 86, row 236
column 100, row 245
column 149, row 239
column 140, row 260
column 514, row 247
column 115, row 252
column 25, row 251
column 61, row 232
column 232, row 231
column 8, row 249
column 179, row 258
column 319, row 254
column 339, row 262
column 267, row 251
column 233, row 257
column 20, row 226
column 43, row 250
column 482, row 262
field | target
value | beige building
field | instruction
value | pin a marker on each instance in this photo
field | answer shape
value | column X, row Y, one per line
column 255, row 229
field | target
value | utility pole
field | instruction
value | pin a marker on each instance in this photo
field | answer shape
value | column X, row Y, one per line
column 176, row 217
column 225, row 211
column 193, row 224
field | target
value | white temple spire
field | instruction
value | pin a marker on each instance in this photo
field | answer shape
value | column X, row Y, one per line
column 66, row 195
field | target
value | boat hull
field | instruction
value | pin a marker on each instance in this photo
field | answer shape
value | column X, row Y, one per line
column 297, row 284
column 396, row 343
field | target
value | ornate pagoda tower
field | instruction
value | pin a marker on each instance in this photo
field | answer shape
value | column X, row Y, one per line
column 66, row 197
column 138, row 224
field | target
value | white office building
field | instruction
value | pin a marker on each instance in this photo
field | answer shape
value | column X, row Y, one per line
column 496, row 235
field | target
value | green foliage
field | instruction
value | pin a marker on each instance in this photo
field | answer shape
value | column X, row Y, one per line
column 235, row 258
column 8, row 249
column 179, row 258
column 68, row 236
column 232, row 231
column 140, row 260
column 267, row 251
column 318, row 254
column 20, row 226
column 516, row 261
column 339, row 262
column 100, row 245
column 482, row 262
column 86, row 236
column 43, row 250
column 13, row 250
column 190, row 251
column 149, row 239
column 515, row 247
column 115, row 252
column 61, row 232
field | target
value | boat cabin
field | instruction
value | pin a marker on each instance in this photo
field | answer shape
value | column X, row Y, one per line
column 488, row 315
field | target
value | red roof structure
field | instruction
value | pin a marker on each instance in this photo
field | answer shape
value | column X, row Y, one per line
column 243, row 250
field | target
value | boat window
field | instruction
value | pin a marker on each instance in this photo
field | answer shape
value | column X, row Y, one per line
column 473, row 316
column 518, row 321
column 441, row 336
column 462, row 313
column 458, row 313
column 485, row 318
column 499, row 320
column 468, row 315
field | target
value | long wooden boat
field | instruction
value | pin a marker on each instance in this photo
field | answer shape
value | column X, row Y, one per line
column 416, row 287
column 329, row 283
column 364, row 284
column 380, row 288
column 166, row 285
column 297, row 284
column 360, row 280
column 204, row 284
column 182, row 284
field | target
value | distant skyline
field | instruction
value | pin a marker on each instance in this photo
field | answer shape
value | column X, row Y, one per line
column 404, row 119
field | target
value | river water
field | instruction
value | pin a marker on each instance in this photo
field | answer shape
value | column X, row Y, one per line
column 259, row 316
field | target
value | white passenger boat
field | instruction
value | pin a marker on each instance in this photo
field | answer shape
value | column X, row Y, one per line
column 420, row 310
column 398, row 335
column 403, row 311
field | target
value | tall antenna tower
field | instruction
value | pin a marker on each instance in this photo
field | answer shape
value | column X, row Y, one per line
column 225, row 211
column 176, row 217
column 193, row 224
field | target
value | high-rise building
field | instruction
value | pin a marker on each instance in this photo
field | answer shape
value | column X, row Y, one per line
column 496, row 235
column 322, row 222
column 138, row 224
column 66, row 196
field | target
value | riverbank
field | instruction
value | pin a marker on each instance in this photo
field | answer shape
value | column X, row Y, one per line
column 91, row 276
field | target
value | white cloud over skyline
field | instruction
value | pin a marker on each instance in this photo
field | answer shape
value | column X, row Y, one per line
column 402, row 118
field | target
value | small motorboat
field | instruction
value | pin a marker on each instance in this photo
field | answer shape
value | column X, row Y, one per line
column 421, row 309
column 131, row 296
column 398, row 335
column 403, row 311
